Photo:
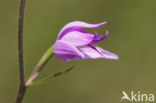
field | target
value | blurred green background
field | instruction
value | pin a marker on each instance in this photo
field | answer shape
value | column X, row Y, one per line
column 132, row 27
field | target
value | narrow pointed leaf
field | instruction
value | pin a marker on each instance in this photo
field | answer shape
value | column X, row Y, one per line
column 50, row 77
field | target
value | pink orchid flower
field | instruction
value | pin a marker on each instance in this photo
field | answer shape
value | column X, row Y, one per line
column 73, row 43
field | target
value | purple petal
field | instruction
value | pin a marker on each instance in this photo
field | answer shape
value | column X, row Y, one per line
column 92, row 52
column 65, row 51
column 108, row 55
column 77, row 25
column 98, row 39
column 78, row 38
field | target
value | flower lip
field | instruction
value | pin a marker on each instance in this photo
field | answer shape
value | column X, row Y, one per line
column 98, row 39
column 95, row 48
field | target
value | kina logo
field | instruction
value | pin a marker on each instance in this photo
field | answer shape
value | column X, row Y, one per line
column 138, row 96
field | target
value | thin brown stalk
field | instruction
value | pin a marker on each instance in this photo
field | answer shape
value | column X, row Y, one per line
column 22, row 87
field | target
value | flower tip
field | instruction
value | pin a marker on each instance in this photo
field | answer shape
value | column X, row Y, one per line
column 101, row 24
column 105, row 22
column 106, row 34
column 116, row 57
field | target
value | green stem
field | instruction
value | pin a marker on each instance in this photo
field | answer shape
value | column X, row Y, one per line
column 45, row 58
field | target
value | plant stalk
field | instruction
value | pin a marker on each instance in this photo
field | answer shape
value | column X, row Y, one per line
column 22, row 86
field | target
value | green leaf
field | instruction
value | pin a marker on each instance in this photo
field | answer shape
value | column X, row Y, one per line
column 50, row 77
